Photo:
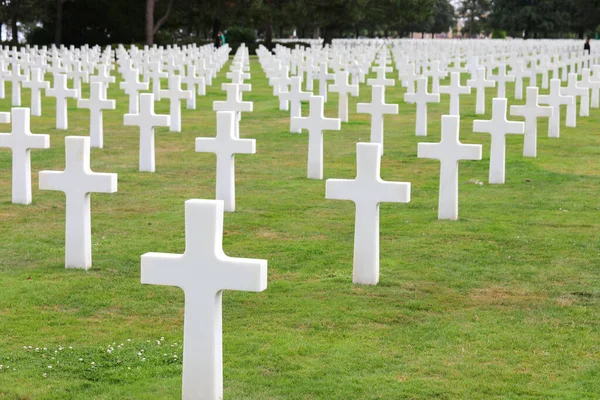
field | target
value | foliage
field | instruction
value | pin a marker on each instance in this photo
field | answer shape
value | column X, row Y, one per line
column 236, row 35
column 498, row 34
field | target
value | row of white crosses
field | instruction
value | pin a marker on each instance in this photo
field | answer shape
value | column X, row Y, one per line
column 203, row 271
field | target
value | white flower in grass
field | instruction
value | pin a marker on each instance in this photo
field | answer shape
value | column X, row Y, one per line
column 49, row 366
column 44, row 374
column 93, row 363
column 81, row 359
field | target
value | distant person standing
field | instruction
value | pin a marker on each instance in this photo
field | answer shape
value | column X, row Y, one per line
column 586, row 46
column 221, row 39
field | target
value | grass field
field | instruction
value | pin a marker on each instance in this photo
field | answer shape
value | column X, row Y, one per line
column 503, row 303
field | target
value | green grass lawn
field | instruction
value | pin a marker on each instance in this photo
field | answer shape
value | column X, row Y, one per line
column 503, row 303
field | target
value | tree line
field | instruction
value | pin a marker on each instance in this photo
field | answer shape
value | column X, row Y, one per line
column 104, row 22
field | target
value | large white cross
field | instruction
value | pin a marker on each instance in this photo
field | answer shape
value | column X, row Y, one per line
column 16, row 78
column 575, row 90
column 519, row 72
column 132, row 86
column 323, row 77
column 146, row 119
column 195, row 84
column 531, row 110
column 587, row 82
column 555, row 99
column 455, row 89
column 62, row 93
column 498, row 127
column 96, row 103
column 36, row 83
column 381, row 80
column 501, row 80
column 295, row 96
column 225, row 145
column 435, row 72
column 343, row 88
column 20, row 140
column 315, row 123
column 78, row 181
column 203, row 271
column 233, row 102
column 421, row 98
column 449, row 151
column 480, row 83
column 175, row 94
column 377, row 108
column 367, row 190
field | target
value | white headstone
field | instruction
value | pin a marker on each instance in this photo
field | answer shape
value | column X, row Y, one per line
column 343, row 88
column 96, row 103
column 498, row 127
column 449, row 151
column 36, row 84
column 203, row 271
column 367, row 190
column 147, row 120
column 62, row 93
column 555, row 99
column 175, row 94
column 377, row 108
column 77, row 181
column 455, row 90
column 421, row 98
column 20, row 140
column 531, row 110
column 225, row 145
column 315, row 123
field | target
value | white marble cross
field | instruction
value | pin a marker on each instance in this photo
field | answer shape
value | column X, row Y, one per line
column 555, row 99
column 103, row 76
column 16, row 78
column 156, row 74
column 225, row 145
column 421, row 98
column 498, row 127
column 96, row 103
column 193, row 81
column 435, row 72
column 381, row 80
column 575, row 90
column 132, row 86
column 592, row 85
column 146, row 119
column 408, row 77
column 455, row 89
column 234, row 102
column 323, row 77
column 62, row 93
column 77, row 181
column 367, row 190
column 480, row 83
column 449, row 151
column 295, row 96
column 36, row 84
column 315, row 123
column 519, row 72
column 203, row 271
column 342, row 87
column 377, row 108
column 175, row 94
column 20, row 140
column 531, row 110
column 501, row 80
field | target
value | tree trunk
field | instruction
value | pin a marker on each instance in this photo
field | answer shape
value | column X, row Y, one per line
column 151, row 27
column 149, row 22
column 269, row 33
column 280, row 31
column 59, row 22
column 316, row 32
